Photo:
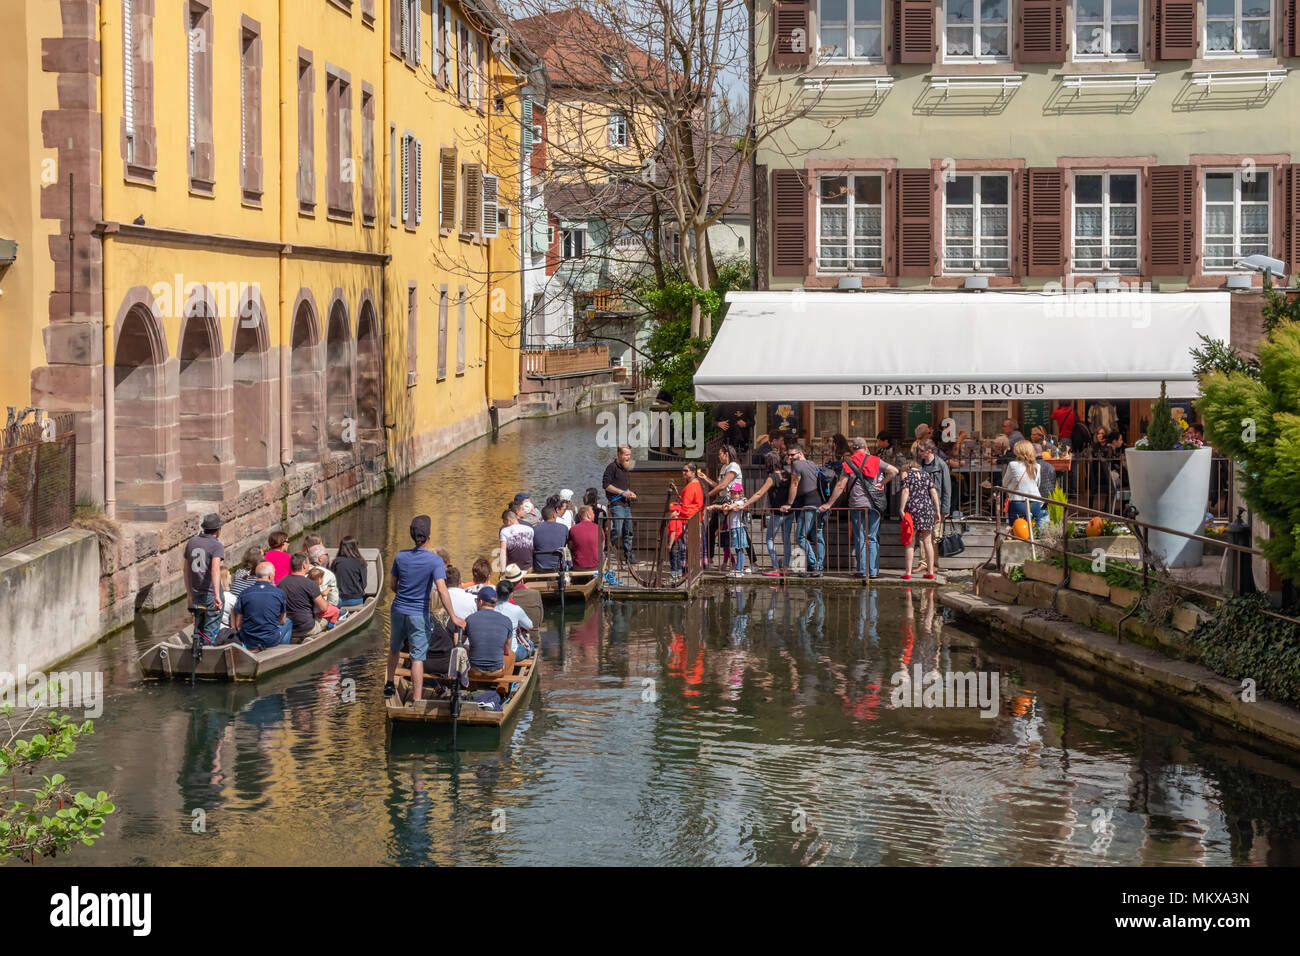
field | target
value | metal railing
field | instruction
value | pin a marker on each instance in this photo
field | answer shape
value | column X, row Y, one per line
column 652, row 544
column 1225, row 570
column 38, row 480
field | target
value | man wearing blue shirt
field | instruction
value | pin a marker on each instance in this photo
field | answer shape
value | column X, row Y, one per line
column 412, row 579
column 260, row 614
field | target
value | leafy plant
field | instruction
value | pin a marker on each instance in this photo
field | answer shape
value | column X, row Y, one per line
column 40, row 821
column 1257, row 424
column 1162, row 433
column 1055, row 513
column 1215, row 355
column 1240, row 641
column 1016, row 573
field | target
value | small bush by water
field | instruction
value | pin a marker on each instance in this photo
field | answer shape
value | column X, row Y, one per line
column 1240, row 642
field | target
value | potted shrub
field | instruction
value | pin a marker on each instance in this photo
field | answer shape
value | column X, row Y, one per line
column 1169, row 473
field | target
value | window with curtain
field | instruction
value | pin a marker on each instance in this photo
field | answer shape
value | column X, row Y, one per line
column 976, row 226
column 850, row 222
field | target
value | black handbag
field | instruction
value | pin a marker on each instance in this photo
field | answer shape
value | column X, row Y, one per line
column 951, row 544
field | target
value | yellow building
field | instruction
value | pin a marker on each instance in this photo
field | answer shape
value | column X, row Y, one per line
column 285, row 229
column 265, row 250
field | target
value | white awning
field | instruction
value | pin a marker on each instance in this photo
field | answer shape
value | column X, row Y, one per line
column 901, row 346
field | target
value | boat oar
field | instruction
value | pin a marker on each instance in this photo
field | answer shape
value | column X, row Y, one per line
column 196, row 646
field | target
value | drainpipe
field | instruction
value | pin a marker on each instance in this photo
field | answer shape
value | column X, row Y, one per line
column 110, row 412
column 753, row 155
column 286, row 320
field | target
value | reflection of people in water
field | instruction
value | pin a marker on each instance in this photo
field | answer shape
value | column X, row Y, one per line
column 739, row 618
column 686, row 661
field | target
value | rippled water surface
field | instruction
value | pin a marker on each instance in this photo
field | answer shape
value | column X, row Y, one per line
column 754, row 725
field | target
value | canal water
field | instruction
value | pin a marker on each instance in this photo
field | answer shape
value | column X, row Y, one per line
column 753, row 726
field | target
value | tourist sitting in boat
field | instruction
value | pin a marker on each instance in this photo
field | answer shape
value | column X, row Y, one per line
column 462, row 602
column 549, row 539
column 564, row 514
column 520, row 622
column 277, row 552
column 516, row 540
column 303, row 598
column 482, row 574
column 527, row 598
column 688, row 503
column 246, row 573
column 350, row 572
column 487, row 640
column 329, row 584
column 332, row 613
column 260, row 614
column 227, row 597
column 584, row 540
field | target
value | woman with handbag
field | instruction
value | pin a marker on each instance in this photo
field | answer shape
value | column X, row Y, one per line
column 920, row 499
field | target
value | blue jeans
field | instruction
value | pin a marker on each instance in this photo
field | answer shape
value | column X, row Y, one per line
column 784, row 522
column 207, row 621
column 866, row 532
column 809, row 535
column 620, row 528
column 1016, row 509
column 352, row 602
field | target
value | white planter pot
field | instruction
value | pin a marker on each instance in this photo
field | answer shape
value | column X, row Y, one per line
column 1170, row 489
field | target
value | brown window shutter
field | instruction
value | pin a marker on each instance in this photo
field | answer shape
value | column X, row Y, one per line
column 367, row 154
column 254, row 148
column 888, row 228
column 1290, row 42
column 913, row 32
column 1291, row 217
column 1173, row 29
column 914, row 222
column 395, row 26
column 1041, row 31
column 447, row 189
column 792, row 34
column 471, row 219
column 1171, row 194
column 306, row 132
column 789, row 222
column 1043, row 239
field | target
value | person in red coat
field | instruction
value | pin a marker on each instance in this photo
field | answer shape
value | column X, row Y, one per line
column 688, row 503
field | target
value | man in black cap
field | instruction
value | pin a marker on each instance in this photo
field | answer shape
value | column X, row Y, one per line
column 414, row 575
column 203, row 557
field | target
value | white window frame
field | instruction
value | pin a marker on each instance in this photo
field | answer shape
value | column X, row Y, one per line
column 1236, row 52
column 565, row 233
column 1261, row 173
column 1106, row 237
column 617, row 129
column 976, row 27
column 851, row 26
column 1107, row 25
column 849, row 266
column 976, row 236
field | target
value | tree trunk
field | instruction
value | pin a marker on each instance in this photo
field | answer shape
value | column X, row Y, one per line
column 697, row 331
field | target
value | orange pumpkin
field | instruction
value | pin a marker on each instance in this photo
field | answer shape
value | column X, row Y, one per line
column 1094, row 528
column 1020, row 528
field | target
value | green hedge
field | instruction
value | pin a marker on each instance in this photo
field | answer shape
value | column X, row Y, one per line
column 1240, row 642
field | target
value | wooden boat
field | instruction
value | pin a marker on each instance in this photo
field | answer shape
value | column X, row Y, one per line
column 438, row 710
column 579, row 585
column 174, row 659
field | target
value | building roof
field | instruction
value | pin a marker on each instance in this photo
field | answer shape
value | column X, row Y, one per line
column 580, row 51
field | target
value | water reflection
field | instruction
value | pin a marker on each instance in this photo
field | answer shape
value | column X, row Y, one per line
column 753, row 725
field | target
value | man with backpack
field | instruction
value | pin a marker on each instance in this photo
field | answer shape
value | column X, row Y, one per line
column 805, row 494
column 865, row 475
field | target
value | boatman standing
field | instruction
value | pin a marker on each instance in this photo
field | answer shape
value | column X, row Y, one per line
column 203, row 557
column 415, row 573
column 616, row 481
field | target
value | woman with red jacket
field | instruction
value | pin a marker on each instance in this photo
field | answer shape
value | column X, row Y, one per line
column 688, row 503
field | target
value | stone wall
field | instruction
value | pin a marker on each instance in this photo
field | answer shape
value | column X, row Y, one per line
column 45, row 614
